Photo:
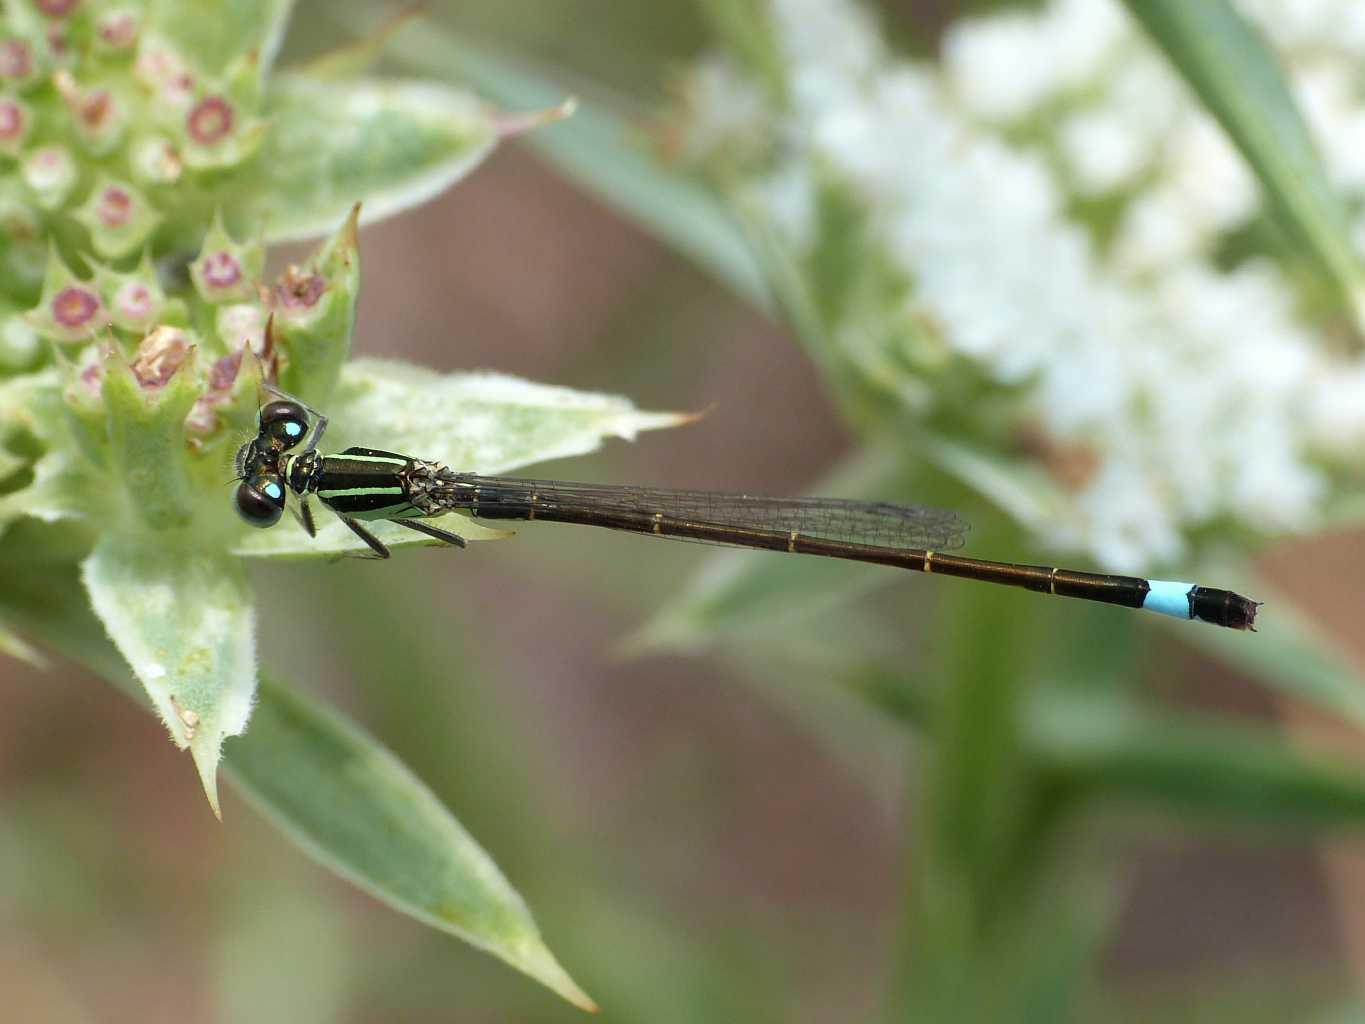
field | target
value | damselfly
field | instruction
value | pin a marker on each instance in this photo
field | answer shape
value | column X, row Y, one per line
column 365, row 484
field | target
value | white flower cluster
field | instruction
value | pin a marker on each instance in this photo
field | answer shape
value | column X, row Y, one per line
column 1197, row 394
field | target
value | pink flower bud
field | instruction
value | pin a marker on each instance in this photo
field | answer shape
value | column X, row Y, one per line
column 159, row 355
column 96, row 110
column 16, row 60
column 49, row 169
column 89, row 375
column 115, row 207
column 242, row 324
column 165, row 72
column 57, row 8
column 203, row 417
column 118, row 29
column 134, row 301
column 19, row 224
column 155, row 160
column 92, row 375
column 221, row 269
column 75, row 307
column 223, row 372
column 12, row 120
column 297, row 290
column 178, row 90
column 211, row 121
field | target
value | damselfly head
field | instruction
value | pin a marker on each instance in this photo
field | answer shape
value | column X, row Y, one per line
column 260, row 500
column 283, row 424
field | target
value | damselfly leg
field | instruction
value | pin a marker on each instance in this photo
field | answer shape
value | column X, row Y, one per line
column 375, row 544
column 306, row 518
column 453, row 539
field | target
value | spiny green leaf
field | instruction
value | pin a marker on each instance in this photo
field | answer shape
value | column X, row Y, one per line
column 15, row 646
column 226, row 270
column 359, row 57
column 314, row 327
column 213, row 33
column 288, row 540
column 127, row 232
column 360, row 811
column 392, row 144
column 183, row 621
column 601, row 149
column 147, row 439
column 478, row 422
column 1229, row 65
column 31, row 407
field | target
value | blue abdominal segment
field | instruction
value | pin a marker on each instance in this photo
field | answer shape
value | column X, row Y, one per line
column 1169, row 597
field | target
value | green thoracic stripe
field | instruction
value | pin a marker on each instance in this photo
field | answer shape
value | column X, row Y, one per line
column 367, row 458
column 354, row 492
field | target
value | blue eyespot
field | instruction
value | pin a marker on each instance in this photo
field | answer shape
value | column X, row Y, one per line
column 274, row 491
column 293, row 429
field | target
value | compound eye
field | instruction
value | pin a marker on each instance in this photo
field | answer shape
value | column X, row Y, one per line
column 284, row 422
column 260, row 501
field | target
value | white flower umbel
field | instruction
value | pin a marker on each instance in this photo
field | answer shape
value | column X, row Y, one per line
column 1195, row 393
